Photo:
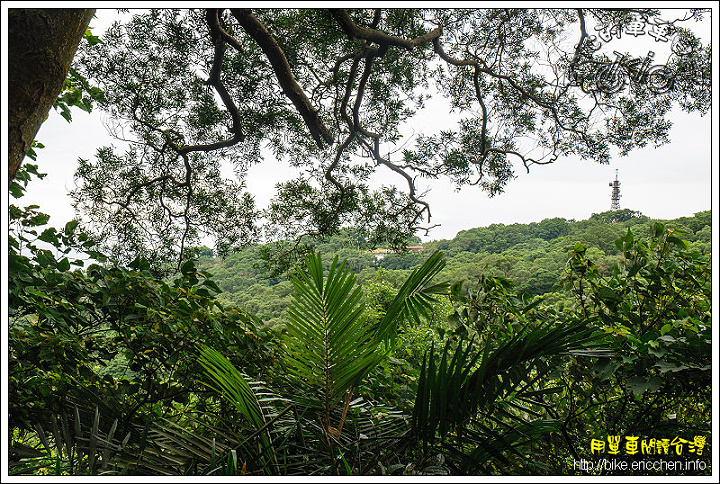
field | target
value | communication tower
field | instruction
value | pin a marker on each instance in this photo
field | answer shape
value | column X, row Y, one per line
column 615, row 199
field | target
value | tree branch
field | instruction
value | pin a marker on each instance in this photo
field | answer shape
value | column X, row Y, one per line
column 215, row 81
column 354, row 31
column 375, row 150
column 280, row 66
column 212, row 15
column 583, row 35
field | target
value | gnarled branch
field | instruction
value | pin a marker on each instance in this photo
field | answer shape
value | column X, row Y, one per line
column 281, row 67
column 354, row 31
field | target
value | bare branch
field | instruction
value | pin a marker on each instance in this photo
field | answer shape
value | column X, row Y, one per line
column 186, row 212
column 215, row 81
column 583, row 35
column 375, row 150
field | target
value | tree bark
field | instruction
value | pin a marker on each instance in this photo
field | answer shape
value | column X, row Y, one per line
column 41, row 46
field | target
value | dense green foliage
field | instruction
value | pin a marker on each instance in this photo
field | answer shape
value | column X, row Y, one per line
column 114, row 370
column 506, row 350
column 532, row 256
column 655, row 308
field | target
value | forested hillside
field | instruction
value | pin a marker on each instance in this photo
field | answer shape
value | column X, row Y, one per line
column 532, row 256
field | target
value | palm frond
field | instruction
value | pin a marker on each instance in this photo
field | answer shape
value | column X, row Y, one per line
column 454, row 391
column 414, row 299
column 229, row 382
column 330, row 348
column 495, row 445
column 71, row 444
column 172, row 449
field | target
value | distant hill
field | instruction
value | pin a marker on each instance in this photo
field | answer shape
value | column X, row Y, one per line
column 532, row 255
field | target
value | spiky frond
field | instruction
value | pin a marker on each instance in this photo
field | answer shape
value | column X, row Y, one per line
column 229, row 382
column 486, row 394
column 414, row 299
column 330, row 347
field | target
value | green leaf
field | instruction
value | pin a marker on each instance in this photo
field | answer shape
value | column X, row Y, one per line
column 42, row 259
column 65, row 113
column 639, row 385
column 677, row 241
column 188, row 267
column 70, row 227
column 91, row 39
column 608, row 295
column 63, row 265
column 657, row 229
column 669, row 366
column 211, row 284
column 139, row 263
column 16, row 190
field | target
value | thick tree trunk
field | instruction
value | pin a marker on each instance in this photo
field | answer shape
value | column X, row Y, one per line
column 41, row 46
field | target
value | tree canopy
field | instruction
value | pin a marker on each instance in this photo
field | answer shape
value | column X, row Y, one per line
column 333, row 92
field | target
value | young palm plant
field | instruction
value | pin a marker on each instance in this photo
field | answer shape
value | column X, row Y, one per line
column 477, row 405
column 331, row 347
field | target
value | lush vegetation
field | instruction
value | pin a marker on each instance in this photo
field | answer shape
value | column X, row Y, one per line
column 532, row 256
column 417, row 363
column 520, row 349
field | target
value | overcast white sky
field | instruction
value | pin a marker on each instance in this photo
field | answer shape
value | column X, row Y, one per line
column 671, row 181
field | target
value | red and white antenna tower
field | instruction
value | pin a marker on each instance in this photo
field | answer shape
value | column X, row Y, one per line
column 615, row 199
